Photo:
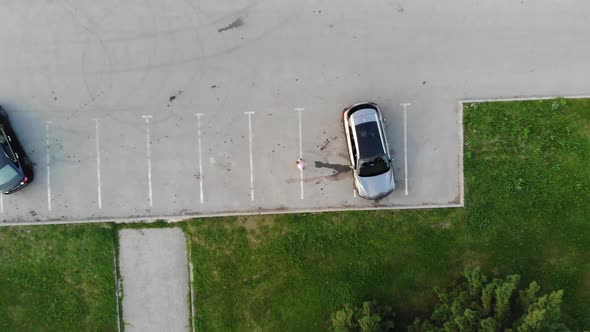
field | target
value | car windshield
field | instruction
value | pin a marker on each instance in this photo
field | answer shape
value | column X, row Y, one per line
column 5, row 146
column 7, row 174
column 369, row 140
column 373, row 166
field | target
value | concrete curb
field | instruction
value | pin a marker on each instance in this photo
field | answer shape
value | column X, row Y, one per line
column 118, row 286
column 461, row 144
column 180, row 218
column 191, row 274
column 461, row 104
column 470, row 101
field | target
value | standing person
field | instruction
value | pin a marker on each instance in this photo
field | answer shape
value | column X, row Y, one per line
column 300, row 164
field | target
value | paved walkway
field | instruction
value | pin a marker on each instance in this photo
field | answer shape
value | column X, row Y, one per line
column 153, row 265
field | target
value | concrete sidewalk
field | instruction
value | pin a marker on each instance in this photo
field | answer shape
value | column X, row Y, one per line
column 154, row 269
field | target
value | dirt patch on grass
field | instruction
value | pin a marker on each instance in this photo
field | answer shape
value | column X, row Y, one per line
column 253, row 223
column 259, row 228
column 444, row 224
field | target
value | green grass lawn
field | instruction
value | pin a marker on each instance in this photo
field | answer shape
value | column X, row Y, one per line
column 57, row 278
column 527, row 205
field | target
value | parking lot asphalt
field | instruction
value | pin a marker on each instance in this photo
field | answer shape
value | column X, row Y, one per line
column 170, row 108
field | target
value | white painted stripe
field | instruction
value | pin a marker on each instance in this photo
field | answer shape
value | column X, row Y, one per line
column 98, row 164
column 300, row 133
column 149, row 156
column 117, row 289
column 354, row 192
column 48, row 159
column 198, row 115
column 299, row 110
column 1, row 203
column 301, row 183
column 251, row 160
column 405, row 106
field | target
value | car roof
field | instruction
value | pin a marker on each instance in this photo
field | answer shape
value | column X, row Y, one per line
column 369, row 141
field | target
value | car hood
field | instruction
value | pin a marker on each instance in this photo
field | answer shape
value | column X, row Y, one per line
column 376, row 187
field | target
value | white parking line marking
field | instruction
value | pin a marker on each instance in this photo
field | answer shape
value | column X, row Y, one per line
column 149, row 155
column 99, row 193
column 405, row 106
column 299, row 110
column 198, row 115
column 2, row 204
column 48, row 166
column 251, row 161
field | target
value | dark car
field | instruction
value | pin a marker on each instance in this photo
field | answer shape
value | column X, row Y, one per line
column 368, row 150
column 16, row 169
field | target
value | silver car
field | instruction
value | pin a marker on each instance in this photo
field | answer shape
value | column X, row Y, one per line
column 368, row 150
